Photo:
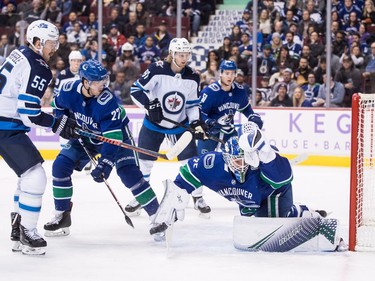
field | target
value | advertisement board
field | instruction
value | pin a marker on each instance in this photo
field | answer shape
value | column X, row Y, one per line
column 323, row 134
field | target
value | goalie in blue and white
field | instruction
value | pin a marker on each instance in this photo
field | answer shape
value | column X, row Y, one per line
column 249, row 172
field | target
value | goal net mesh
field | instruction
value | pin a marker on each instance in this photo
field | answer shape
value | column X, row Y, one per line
column 364, row 165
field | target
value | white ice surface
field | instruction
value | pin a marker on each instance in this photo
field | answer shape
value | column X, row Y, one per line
column 102, row 246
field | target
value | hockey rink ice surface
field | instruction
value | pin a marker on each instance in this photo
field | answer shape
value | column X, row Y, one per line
column 101, row 246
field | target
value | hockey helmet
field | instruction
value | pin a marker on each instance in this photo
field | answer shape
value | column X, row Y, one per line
column 234, row 157
column 179, row 45
column 75, row 55
column 43, row 30
column 93, row 71
column 228, row 65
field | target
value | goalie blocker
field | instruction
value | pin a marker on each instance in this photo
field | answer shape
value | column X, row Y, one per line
column 313, row 234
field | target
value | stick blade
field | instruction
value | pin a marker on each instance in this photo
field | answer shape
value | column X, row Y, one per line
column 129, row 221
column 299, row 159
column 180, row 145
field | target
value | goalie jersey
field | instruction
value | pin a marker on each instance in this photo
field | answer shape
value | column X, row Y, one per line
column 211, row 170
column 24, row 77
column 221, row 105
column 101, row 115
column 177, row 93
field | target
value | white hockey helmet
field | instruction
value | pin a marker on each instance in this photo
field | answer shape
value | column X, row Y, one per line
column 43, row 30
column 75, row 55
column 179, row 45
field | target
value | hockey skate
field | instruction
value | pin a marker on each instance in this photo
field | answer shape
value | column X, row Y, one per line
column 15, row 220
column 59, row 225
column 322, row 213
column 201, row 206
column 133, row 209
column 157, row 231
column 31, row 241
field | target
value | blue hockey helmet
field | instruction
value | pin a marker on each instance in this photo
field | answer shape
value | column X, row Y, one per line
column 228, row 65
column 234, row 157
column 92, row 70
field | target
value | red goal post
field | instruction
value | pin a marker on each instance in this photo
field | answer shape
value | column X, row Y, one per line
column 362, row 174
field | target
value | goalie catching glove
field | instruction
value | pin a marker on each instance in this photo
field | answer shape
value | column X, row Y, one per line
column 255, row 117
column 255, row 145
column 65, row 127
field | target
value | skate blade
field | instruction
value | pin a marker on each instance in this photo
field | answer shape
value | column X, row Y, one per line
column 30, row 251
column 137, row 213
column 206, row 216
column 17, row 247
column 57, row 233
column 159, row 237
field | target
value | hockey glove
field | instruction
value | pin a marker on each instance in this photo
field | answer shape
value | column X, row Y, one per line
column 65, row 127
column 212, row 126
column 102, row 170
column 200, row 129
column 255, row 117
column 155, row 112
column 252, row 141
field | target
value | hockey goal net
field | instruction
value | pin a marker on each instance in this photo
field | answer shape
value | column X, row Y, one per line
column 362, row 186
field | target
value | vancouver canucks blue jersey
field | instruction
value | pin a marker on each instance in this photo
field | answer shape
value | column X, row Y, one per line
column 177, row 93
column 211, row 170
column 64, row 75
column 101, row 115
column 222, row 105
column 24, row 77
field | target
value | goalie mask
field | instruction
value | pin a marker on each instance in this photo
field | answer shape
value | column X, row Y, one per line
column 234, row 157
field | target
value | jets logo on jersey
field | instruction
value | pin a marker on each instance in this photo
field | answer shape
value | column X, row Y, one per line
column 173, row 102
column 43, row 63
column 160, row 63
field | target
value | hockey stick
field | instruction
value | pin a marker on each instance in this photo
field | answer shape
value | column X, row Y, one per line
column 192, row 130
column 93, row 161
column 298, row 159
column 172, row 153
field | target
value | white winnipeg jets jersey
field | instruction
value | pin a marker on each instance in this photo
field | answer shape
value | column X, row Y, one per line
column 24, row 77
column 177, row 92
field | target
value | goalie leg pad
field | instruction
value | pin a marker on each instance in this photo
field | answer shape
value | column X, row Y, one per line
column 286, row 234
column 174, row 202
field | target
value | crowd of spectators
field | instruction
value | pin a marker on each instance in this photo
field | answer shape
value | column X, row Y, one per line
column 292, row 54
column 291, row 44
column 131, row 39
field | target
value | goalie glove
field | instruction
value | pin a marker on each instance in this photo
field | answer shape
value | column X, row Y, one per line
column 252, row 141
column 255, row 117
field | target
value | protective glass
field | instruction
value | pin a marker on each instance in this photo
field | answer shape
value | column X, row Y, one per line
column 100, row 84
column 182, row 55
column 52, row 44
